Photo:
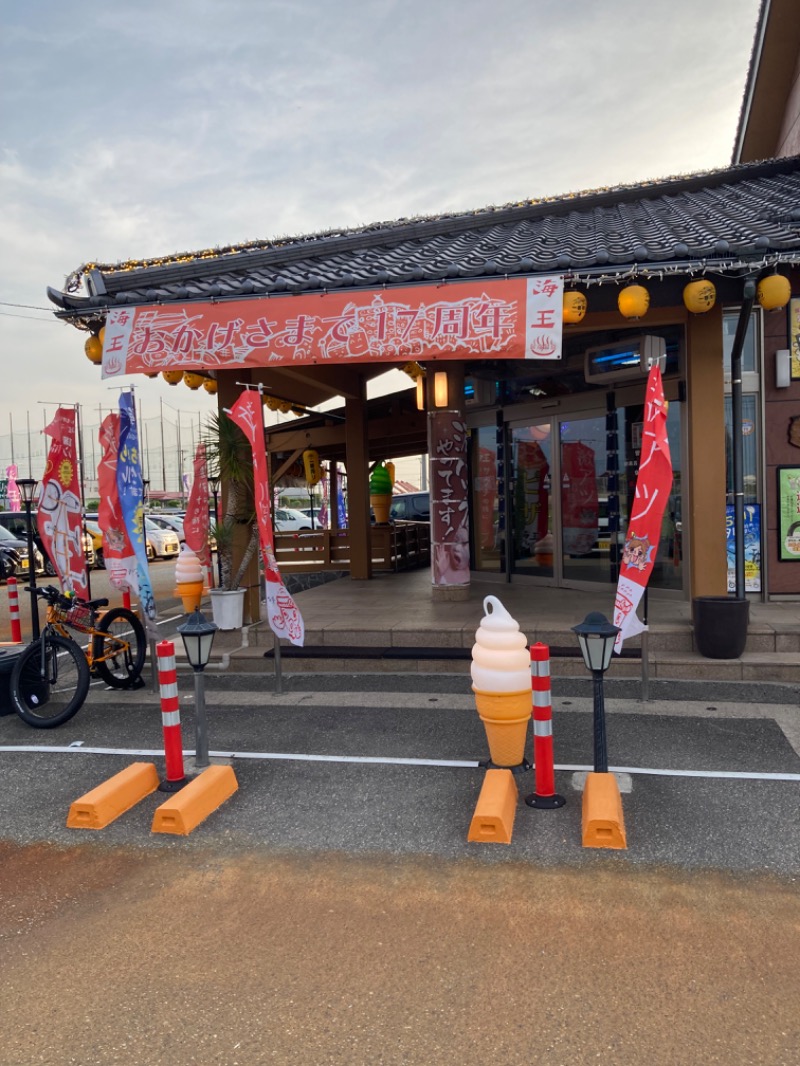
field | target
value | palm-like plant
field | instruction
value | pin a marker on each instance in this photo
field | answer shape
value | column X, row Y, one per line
column 230, row 458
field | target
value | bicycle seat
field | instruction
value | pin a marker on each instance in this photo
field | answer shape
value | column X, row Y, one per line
column 94, row 604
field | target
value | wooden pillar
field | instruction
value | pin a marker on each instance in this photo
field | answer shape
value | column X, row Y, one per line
column 706, row 466
column 357, row 450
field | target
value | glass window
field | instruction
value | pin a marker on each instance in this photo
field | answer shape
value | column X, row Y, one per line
column 488, row 543
column 729, row 322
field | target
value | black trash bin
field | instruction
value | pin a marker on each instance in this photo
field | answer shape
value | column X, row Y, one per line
column 720, row 626
column 8, row 656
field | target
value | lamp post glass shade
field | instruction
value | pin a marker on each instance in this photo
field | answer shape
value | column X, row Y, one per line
column 596, row 636
column 198, row 636
column 27, row 488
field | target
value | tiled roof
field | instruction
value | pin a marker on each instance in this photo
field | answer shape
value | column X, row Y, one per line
column 742, row 215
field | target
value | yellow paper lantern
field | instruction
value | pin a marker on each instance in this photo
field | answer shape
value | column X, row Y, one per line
column 172, row 377
column 102, row 334
column 311, row 466
column 210, row 385
column 633, row 301
column 272, row 403
column 284, row 406
column 574, row 307
column 699, row 296
column 774, row 292
column 192, row 380
column 94, row 350
column 390, row 467
column 153, row 375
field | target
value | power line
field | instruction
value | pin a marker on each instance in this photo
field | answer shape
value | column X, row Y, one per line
column 26, row 318
column 30, row 307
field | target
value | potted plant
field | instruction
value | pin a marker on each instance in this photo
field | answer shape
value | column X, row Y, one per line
column 236, row 532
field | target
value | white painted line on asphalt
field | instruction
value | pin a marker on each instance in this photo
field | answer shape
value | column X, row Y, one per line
column 76, row 747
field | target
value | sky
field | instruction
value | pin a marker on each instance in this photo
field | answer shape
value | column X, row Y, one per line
column 143, row 128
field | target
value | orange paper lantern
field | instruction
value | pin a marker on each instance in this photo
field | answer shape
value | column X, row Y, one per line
column 94, row 350
column 172, row 377
column 699, row 296
column 633, row 301
column 574, row 306
column 774, row 292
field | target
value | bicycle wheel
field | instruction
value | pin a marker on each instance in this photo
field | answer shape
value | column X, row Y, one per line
column 119, row 652
column 50, row 693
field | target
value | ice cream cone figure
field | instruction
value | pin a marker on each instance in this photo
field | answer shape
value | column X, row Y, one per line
column 189, row 579
column 380, row 493
column 501, row 681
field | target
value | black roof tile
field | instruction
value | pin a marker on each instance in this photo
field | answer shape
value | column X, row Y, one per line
column 742, row 212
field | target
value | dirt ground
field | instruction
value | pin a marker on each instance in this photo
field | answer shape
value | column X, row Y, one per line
column 135, row 956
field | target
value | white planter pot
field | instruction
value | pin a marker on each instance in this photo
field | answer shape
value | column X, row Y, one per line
column 227, row 607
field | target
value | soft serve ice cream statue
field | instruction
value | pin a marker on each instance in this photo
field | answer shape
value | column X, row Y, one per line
column 501, row 681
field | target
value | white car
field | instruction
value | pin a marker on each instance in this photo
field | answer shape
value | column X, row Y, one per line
column 161, row 543
column 287, row 520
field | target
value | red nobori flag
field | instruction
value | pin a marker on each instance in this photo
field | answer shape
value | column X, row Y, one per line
column 195, row 523
column 653, row 485
column 284, row 618
column 118, row 554
column 60, row 519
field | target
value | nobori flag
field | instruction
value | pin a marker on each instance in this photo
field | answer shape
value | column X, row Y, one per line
column 653, row 485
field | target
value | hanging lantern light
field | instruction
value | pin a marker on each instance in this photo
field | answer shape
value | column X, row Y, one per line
column 94, row 350
column 773, row 292
column 153, row 375
column 210, row 385
column 102, row 334
column 272, row 403
column 311, row 466
column 633, row 301
column 192, row 380
column 172, row 377
column 699, row 296
column 284, row 407
column 574, row 307
column 390, row 467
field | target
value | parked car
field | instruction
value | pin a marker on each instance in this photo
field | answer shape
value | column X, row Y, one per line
column 161, row 543
column 16, row 523
column 10, row 562
column 287, row 520
column 20, row 547
column 175, row 523
column 411, row 507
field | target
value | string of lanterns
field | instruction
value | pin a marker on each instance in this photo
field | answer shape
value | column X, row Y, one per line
column 699, row 296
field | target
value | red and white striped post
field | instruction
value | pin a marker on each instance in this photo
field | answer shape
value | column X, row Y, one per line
column 545, row 797
column 170, row 717
column 13, row 611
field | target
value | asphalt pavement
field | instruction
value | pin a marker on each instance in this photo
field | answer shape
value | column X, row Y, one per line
column 390, row 765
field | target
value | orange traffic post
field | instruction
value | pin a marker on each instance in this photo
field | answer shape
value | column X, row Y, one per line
column 13, row 611
column 101, row 806
column 170, row 717
column 493, row 820
column 545, row 796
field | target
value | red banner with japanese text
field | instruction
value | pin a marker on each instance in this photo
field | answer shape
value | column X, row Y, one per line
column 284, row 617
column 508, row 318
column 119, row 557
column 653, row 485
column 60, row 517
column 196, row 521
column 450, row 558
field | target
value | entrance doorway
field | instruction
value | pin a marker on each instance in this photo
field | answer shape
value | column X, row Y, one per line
column 552, row 497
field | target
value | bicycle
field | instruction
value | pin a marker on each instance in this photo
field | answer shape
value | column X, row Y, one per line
column 51, row 677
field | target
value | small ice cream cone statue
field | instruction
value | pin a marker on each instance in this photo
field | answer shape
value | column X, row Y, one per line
column 380, row 493
column 189, row 579
column 543, row 550
column 501, row 681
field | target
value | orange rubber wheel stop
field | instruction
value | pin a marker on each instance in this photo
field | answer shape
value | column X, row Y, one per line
column 493, row 820
column 114, row 797
column 185, row 810
column 603, row 825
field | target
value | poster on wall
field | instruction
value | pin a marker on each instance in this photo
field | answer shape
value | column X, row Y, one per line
column 789, row 513
column 752, row 547
column 794, row 337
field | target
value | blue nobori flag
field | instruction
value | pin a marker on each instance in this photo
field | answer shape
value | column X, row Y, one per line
column 130, row 488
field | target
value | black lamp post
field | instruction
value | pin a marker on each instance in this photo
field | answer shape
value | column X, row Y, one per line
column 198, row 636
column 213, row 484
column 596, row 636
column 27, row 488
